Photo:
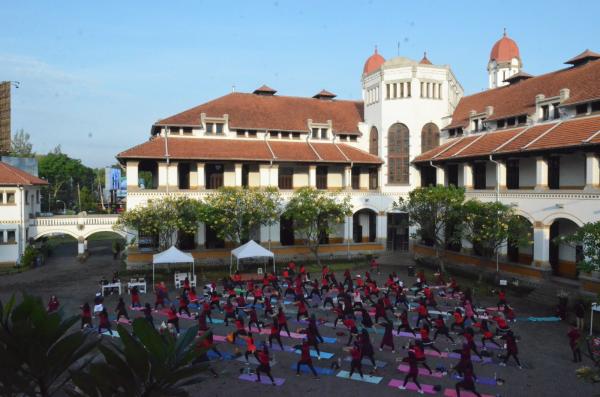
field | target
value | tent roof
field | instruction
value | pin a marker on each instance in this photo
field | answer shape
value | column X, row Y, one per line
column 172, row 255
column 251, row 250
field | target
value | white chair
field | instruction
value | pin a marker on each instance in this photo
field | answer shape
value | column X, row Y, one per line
column 259, row 271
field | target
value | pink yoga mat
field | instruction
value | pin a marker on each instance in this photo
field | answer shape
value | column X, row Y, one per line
column 422, row 371
column 411, row 386
column 264, row 379
column 463, row 393
column 164, row 312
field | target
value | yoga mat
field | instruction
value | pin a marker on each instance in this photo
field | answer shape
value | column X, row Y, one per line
column 136, row 308
column 422, row 371
column 320, row 370
column 287, row 349
column 264, row 379
column 313, row 353
column 115, row 334
column 355, row 376
column 366, row 361
column 474, row 358
column 214, row 356
column 411, row 386
column 253, row 360
column 539, row 319
column 480, row 380
column 463, row 393
column 164, row 313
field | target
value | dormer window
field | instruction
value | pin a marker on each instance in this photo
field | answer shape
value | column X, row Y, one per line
column 285, row 134
column 522, row 119
column 556, row 112
column 315, row 133
column 581, row 108
column 273, row 134
column 476, row 125
column 545, row 112
column 500, row 123
column 174, row 130
column 323, row 133
column 511, row 121
column 187, row 130
column 596, row 106
column 214, row 128
column 210, row 128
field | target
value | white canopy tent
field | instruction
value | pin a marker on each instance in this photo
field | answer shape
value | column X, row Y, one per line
column 172, row 256
column 250, row 250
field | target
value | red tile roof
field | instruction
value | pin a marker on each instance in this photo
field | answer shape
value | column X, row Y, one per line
column 13, row 176
column 577, row 132
column 504, row 49
column 248, row 150
column 516, row 99
column 274, row 112
column 373, row 63
column 585, row 55
column 425, row 60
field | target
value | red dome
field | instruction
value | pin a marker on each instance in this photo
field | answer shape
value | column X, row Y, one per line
column 373, row 63
column 505, row 49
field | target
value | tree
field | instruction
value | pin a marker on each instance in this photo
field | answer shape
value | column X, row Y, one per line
column 588, row 237
column 148, row 364
column 63, row 174
column 491, row 225
column 87, row 199
column 163, row 218
column 20, row 145
column 434, row 211
column 314, row 213
column 233, row 212
column 38, row 349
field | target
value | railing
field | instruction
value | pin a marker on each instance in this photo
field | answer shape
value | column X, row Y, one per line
column 74, row 220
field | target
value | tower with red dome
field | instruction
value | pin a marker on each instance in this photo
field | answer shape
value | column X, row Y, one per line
column 504, row 62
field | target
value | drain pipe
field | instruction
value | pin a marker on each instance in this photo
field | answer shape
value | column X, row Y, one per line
column 437, row 167
column 497, row 200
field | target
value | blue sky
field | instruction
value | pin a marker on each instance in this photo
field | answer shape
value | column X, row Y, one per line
column 94, row 77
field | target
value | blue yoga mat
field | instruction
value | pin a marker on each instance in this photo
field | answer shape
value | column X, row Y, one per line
column 313, row 353
column 355, row 376
column 367, row 361
column 213, row 356
column 539, row 319
column 320, row 370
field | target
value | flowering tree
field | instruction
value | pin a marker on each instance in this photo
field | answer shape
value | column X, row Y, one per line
column 314, row 213
column 232, row 212
column 433, row 210
column 587, row 236
column 163, row 218
column 491, row 225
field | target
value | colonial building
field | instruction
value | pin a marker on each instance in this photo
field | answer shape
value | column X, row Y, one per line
column 531, row 142
column 19, row 202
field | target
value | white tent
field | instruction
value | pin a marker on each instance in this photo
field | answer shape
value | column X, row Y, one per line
column 250, row 250
column 172, row 255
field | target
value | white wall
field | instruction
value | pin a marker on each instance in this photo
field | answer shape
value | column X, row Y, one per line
column 572, row 170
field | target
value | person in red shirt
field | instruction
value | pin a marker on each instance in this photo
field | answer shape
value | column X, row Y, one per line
column 459, row 320
column 275, row 335
column 250, row 346
column 486, row 334
column 282, row 321
column 160, row 297
column 103, row 322
column 173, row 319
column 352, row 330
column 193, row 296
column 202, row 347
column 229, row 312
column 501, row 324
column 420, row 355
column 237, row 280
column 413, row 371
column 423, row 313
column 469, row 336
column 426, row 340
column 135, row 297
column 302, row 310
column 305, row 359
column 388, row 337
column 253, row 318
column 215, row 300
column 441, row 328
column 240, row 328
column 380, row 310
column 86, row 316
column 501, row 298
column 53, row 304
column 404, row 323
column 264, row 364
column 268, row 307
column 186, row 284
column 356, row 362
column 183, row 304
column 575, row 343
column 339, row 311
column 202, row 325
column 511, row 349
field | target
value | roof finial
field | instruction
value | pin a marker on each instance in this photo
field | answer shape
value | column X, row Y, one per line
column 504, row 32
column 375, row 48
column 424, row 54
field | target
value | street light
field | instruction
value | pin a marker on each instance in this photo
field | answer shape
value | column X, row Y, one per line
column 64, row 206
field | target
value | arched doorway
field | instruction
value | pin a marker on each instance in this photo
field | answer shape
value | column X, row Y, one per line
column 522, row 254
column 398, row 154
column 104, row 243
column 374, row 141
column 430, row 137
column 56, row 244
column 364, row 226
column 397, row 231
column 286, row 231
column 562, row 256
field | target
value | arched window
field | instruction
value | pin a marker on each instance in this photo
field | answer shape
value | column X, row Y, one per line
column 374, row 142
column 398, row 153
column 430, row 137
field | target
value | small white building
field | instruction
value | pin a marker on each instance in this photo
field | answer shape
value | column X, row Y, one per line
column 19, row 202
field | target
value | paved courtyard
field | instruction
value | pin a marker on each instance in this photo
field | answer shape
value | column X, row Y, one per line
column 543, row 347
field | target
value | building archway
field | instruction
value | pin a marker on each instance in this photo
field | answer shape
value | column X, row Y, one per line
column 397, row 231
column 564, row 257
column 430, row 137
column 398, row 154
column 364, row 226
column 374, row 141
column 522, row 254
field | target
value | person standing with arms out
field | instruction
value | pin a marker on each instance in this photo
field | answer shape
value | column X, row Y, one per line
column 275, row 335
column 103, row 322
column 135, row 297
column 388, row 337
column 53, row 304
column 282, row 321
column 264, row 364
column 305, row 359
column 366, row 348
column 356, row 364
column 468, row 382
column 413, row 371
column 404, row 324
column 511, row 349
column 441, row 328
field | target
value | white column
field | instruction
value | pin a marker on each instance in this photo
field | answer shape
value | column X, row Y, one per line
column 417, row 179
column 381, row 227
column 541, row 245
column 348, row 177
column 132, row 173
column 501, row 174
column 541, row 173
column 312, row 175
column 592, row 171
column 200, row 175
column 201, row 235
column 238, row 174
column 467, row 176
column 348, row 229
column 264, row 174
column 81, row 245
column 440, row 175
column 274, row 179
column 162, row 174
column 173, row 175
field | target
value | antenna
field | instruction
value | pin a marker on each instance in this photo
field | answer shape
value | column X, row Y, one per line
column 398, row 48
column 233, row 88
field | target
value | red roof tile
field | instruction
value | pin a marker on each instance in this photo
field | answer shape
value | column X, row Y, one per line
column 504, row 49
column 523, row 138
column 489, row 142
column 266, row 112
column 585, row 55
column 568, row 133
column 13, row 176
column 249, row 150
column 373, row 63
column 516, row 99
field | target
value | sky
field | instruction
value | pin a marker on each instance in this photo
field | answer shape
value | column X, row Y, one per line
column 95, row 76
